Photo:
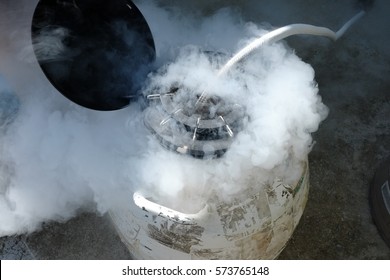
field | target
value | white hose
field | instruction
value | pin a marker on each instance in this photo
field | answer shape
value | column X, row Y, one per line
column 279, row 34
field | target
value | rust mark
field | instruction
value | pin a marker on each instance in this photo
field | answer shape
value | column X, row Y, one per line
column 209, row 254
column 271, row 192
column 286, row 192
column 299, row 185
column 255, row 245
column 136, row 232
column 148, row 248
column 240, row 219
column 230, row 215
column 176, row 235
column 301, row 180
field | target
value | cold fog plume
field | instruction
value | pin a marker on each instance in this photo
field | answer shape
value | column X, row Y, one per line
column 58, row 158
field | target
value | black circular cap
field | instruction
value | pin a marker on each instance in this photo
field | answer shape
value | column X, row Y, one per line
column 97, row 53
column 380, row 200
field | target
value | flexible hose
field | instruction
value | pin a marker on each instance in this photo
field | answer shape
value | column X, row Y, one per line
column 284, row 32
column 279, row 34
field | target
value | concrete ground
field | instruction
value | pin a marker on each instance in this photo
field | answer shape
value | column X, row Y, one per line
column 353, row 77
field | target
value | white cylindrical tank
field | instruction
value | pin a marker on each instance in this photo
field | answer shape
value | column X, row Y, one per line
column 255, row 227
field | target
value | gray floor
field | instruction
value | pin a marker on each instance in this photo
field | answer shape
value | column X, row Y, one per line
column 353, row 76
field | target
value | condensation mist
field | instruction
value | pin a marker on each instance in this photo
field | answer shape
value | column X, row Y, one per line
column 57, row 158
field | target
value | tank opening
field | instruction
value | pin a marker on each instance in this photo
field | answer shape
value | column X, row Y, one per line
column 204, row 131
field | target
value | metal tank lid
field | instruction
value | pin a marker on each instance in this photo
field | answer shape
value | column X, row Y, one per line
column 97, row 53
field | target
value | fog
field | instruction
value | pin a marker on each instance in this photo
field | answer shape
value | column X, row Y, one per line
column 58, row 158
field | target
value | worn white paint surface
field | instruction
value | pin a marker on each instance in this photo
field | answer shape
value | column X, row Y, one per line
column 258, row 227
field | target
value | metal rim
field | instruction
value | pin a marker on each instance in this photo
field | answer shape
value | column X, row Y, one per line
column 202, row 135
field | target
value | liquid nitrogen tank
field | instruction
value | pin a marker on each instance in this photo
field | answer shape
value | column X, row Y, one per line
column 255, row 222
